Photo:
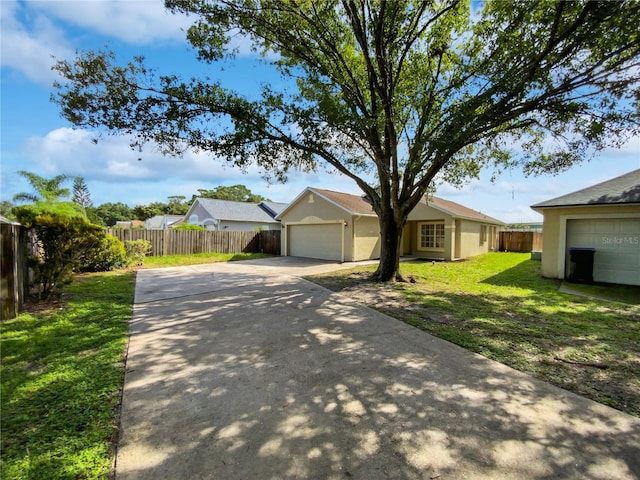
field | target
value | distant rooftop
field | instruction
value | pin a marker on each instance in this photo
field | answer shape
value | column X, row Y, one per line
column 236, row 211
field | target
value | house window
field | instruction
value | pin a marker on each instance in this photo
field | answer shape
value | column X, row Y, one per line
column 431, row 236
column 483, row 234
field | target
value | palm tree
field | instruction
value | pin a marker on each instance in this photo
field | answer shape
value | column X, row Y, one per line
column 46, row 190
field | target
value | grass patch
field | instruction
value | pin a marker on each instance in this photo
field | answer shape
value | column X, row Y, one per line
column 498, row 305
column 616, row 293
column 61, row 375
column 198, row 258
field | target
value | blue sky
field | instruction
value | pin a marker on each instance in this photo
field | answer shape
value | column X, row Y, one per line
column 34, row 137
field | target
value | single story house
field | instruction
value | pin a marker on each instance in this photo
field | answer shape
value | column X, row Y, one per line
column 214, row 214
column 129, row 224
column 604, row 217
column 162, row 222
column 338, row 226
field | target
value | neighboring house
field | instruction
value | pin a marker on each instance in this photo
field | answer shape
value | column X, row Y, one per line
column 604, row 217
column 524, row 227
column 338, row 226
column 129, row 223
column 163, row 222
column 214, row 214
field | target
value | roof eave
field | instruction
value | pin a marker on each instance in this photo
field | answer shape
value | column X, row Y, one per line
column 539, row 207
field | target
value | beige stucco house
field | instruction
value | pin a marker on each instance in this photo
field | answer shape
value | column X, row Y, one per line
column 605, row 218
column 338, row 226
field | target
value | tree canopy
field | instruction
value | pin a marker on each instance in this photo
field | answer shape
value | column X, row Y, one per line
column 406, row 92
column 236, row 193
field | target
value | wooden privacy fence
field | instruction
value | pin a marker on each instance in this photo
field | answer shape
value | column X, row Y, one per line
column 13, row 264
column 185, row 242
column 524, row 242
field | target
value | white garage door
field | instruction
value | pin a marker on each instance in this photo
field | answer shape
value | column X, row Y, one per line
column 323, row 241
column 617, row 244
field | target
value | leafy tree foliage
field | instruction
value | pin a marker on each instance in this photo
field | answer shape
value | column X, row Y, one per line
column 5, row 209
column 143, row 212
column 236, row 193
column 408, row 93
column 177, row 205
column 45, row 189
column 81, row 194
column 109, row 213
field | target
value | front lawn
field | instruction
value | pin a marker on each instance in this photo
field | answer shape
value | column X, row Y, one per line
column 198, row 258
column 62, row 371
column 498, row 305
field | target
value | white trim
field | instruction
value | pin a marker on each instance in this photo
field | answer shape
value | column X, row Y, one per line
column 562, row 240
column 319, row 194
column 419, row 234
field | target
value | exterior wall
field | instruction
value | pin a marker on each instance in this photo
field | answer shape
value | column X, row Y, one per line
column 424, row 213
column 461, row 238
column 555, row 227
column 204, row 218
column 366, row 241
column 471, row 243
column 228, row 225
column 312, row 208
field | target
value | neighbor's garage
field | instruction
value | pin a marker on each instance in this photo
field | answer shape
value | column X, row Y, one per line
column 617, row 247
column 321, row 240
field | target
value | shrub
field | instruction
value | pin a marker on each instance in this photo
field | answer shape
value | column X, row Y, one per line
column 109, row 255
column 189, row 226
column 61, row 239
column 136, row 251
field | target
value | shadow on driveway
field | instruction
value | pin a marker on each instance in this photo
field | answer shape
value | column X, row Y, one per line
column 237, row 374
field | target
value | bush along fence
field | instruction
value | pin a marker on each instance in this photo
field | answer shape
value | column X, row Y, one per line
column 523, row 242
column 185, row 242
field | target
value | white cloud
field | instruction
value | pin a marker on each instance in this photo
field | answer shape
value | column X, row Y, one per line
column 141, row 22
column 114, row 172
column 29, row 48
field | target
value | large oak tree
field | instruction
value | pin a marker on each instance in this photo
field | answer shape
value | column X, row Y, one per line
column 404, row 92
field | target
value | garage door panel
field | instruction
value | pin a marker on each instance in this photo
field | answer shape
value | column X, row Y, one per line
column 322, row 241
column 617, row 245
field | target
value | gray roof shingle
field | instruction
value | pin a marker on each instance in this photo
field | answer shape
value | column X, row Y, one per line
column 235, row 211
column 273, row 208
column 624, row 189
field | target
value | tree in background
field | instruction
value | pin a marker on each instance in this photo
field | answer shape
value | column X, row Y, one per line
column 144, row 212
column 396, row 95
column 5, row 209
column 236, row 193
column 45, row 189
column 109, row 213
column 81, row 194
column 177, row 205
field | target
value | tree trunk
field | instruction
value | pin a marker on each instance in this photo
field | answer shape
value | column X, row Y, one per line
column 390, row 248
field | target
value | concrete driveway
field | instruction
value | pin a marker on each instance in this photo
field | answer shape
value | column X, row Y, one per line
column 246, row 371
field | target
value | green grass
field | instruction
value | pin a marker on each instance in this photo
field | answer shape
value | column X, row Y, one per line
column 617, row 293
column 498, row 305
column 198, row 258
column 61, row 375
